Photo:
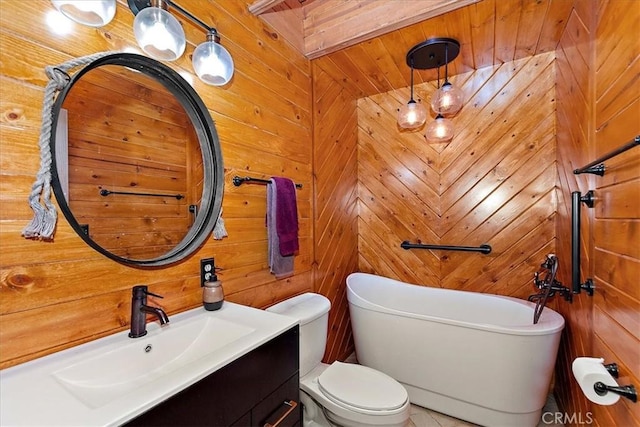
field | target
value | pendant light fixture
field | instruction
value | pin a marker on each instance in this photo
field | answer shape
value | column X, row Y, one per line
column 159, row 37
column 413, row 115
column 434, row 53
column 94, row 13
column 447, row 100
column 439, row 130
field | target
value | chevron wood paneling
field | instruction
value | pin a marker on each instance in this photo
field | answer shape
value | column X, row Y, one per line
column 493, row 181
column 335, row 212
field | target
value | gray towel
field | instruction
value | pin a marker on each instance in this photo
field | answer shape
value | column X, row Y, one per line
column 281, row 266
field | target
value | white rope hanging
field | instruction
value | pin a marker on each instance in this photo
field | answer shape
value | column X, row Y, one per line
column 43, row 224
column 219, row 230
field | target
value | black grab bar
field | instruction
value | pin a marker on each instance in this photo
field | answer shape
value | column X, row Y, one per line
column 576, row 283
column 597, row 167
column 484, row 248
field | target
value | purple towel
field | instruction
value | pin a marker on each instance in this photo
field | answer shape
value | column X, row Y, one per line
column 286, row 215
column 281, row 266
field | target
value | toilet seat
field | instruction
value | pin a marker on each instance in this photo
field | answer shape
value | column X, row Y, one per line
column 361, row 389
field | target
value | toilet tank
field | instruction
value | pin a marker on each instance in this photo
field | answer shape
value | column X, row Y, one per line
column 312, row 311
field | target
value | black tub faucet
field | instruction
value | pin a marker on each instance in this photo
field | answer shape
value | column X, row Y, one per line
column 139, row 310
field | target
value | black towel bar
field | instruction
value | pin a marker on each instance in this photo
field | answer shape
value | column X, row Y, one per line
column 597, row 167
column 238, row 181
column 484, row 248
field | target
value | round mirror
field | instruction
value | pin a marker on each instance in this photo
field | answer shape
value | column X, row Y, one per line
column 137, row 166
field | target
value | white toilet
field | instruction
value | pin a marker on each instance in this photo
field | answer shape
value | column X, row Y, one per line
column 341, row 394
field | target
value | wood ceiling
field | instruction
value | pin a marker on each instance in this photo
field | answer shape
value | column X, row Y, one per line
column 318, row 27
column 491, row 32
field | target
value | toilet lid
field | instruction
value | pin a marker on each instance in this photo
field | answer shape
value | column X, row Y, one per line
column 361, row 387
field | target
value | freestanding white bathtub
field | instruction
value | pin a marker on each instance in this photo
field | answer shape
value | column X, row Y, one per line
column 477, row 357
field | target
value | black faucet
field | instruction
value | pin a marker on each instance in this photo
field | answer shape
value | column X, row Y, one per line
column 139, row 310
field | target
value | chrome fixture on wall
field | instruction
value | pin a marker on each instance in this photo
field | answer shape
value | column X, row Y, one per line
column 447, row 99
column 158, row 33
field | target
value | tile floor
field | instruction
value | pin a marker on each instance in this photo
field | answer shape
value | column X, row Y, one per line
column 423, row 417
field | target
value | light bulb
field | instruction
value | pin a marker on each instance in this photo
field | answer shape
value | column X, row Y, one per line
column 159, row 34
column 447, row 100
column 212, row 62
column 94, row 13
column 412, row 116
column 440, row 130
column 58, row 23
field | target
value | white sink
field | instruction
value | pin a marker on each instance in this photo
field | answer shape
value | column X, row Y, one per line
column 111, row 372
column 113, row 379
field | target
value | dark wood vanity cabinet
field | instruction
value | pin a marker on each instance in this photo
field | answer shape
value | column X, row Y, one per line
column 260, row 388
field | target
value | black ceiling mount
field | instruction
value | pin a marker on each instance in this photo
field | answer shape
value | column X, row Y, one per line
column 137, row 5
column 433, row 53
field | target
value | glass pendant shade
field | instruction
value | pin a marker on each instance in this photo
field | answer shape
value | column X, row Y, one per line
column 440, row 130
column 411, row 116
column 159, row 34
column 213, row 63
column 447, row 100
column 94, row 13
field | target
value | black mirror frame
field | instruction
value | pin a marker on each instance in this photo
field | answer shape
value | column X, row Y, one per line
column 211, row 204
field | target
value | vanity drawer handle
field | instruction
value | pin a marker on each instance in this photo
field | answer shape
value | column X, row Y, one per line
column 292, row 404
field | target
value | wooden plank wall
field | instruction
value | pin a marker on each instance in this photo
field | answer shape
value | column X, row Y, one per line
column 493, row 183
column 336, row 215
column 54, row 295
column 616, row 220
column 599, row 107
column 574, row 133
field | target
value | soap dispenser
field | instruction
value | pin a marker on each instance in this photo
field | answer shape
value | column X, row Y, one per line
column 212, row 294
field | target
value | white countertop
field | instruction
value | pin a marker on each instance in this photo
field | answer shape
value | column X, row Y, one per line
column 31, row 395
